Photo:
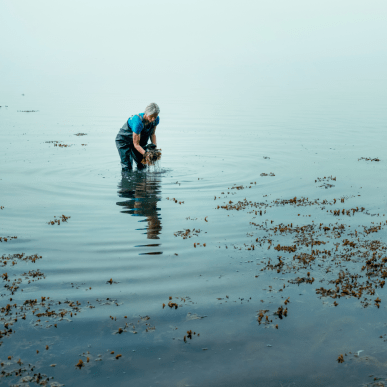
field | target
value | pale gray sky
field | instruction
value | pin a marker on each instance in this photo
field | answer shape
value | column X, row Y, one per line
column 138, row 44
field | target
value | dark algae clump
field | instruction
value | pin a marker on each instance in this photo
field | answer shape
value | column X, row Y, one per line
column 151, row 156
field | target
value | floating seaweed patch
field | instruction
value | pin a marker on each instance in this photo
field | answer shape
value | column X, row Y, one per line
column 13, row 286
column 175, row 305
column 7, row 238
column 79, row 364
column 15, row 258
column 63, row 145
column 369, row 159
column 57, row 221
column 325, row 180
column 300, row 280
column 187, row 233
column 175, row 200
column 24, row 374
column 59, row 144
column 108, row 301
column 190, row 335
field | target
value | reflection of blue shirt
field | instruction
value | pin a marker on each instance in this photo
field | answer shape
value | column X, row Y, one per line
column 136, row 124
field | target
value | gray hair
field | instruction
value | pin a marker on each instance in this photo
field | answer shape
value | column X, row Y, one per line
column 151, row 109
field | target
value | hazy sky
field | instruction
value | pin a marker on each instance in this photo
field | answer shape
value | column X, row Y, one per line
column 137, row 44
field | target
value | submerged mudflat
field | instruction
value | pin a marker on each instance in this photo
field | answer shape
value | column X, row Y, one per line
column 256, row 260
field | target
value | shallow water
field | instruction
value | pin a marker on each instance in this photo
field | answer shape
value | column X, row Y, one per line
column 125, row 228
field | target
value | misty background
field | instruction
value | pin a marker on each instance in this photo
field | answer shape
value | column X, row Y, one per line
column 181, row 47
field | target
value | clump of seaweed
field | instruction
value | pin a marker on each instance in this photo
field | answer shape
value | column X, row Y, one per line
column 369, row 159
column 151, row 156
column 57, row 221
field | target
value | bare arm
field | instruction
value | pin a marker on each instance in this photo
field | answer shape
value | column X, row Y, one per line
column 136, row 143
column 153, row 136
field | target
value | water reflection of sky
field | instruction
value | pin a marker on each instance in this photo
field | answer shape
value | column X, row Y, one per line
column 141, row 192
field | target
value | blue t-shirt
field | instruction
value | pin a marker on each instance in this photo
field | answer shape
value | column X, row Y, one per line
column 136, row 124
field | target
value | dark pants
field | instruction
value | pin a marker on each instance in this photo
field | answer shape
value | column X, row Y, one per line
column 128, row 154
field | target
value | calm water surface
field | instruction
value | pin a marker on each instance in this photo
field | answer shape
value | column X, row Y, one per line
column 125, row 228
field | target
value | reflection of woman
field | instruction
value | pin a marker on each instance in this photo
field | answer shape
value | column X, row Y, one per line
column 134, row 135
column 141, row 191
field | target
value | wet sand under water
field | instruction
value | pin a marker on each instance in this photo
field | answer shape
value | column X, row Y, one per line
column 176, row 268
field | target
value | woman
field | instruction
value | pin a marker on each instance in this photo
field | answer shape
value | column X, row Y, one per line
column 134, row 135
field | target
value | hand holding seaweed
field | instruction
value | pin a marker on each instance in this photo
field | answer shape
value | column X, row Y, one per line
column 151, row 156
